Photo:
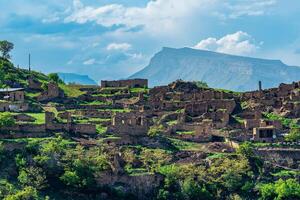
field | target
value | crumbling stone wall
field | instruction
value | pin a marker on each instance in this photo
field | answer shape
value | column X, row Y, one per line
column 131, row 83
column 34, row 84
column 52, row 92
column 133, row 123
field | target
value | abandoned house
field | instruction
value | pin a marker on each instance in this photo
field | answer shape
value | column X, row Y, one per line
column 12, row 99
column 12, row 94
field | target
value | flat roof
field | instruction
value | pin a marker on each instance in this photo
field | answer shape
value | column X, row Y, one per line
column 10, row 89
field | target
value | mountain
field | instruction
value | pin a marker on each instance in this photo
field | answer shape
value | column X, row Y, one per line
column 77, row 78
column 218, row 70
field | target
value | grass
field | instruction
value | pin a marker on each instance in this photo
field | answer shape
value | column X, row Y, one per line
column 238, row 119
column 228, row 91
column 186, row 146
column 217, row 155
column 101, row 129
column 32, row 95
column 40, row 117
column 139, row 90
column 71, row 90
column 96, row 103
column 286, row 173
column 286, row 122
column 171, row 123
column 22, row 140
column 185, row 132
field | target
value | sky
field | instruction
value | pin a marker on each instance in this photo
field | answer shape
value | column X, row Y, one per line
column 112, row 39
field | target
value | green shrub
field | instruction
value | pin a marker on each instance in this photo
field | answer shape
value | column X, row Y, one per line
column 280, row 190
column 6, row 119
column 294, row 135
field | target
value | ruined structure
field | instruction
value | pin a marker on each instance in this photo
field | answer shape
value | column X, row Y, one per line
column 51, row 93
column 131, row 83
column 132, row 123
column 12, row 99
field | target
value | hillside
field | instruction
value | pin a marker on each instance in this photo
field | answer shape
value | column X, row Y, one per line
column 77, row 78
column 13, row 77
column 218, row 70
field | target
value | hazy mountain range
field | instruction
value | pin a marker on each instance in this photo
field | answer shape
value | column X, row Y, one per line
column 218, row 70
column 77, row 78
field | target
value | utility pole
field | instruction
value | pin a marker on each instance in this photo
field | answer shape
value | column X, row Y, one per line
column 29, row 63
column 259, row 85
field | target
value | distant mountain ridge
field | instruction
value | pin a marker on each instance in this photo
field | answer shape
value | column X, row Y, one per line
column 219, row 70
column 77, row 78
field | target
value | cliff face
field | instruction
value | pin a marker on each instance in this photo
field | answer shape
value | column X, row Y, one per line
column 218, row 70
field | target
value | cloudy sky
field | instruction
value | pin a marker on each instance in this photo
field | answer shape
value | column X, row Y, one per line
column 109, row 39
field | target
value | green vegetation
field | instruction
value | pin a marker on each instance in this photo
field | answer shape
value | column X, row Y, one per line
column 9, row 75
column 280, row 190
column 6, row 119
column 294, row 135
column 71, row 90
column 5, row 48
column 201, row 84
column 55, row 78
column 156, row 130
column 185, row 146
column 139, row 90
column 185, row 132
column 101, row 129
column 288, row 123
column 191, row 181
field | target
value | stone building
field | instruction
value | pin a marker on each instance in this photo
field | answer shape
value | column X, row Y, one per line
column 12, row 99
column 131, row 83
column 12, row 94
column 132, row 123
column 267, row 131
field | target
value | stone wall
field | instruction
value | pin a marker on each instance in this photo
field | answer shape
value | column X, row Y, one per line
column 133, row 123
column 131, row 83
column 34, row 84
column 53, row 92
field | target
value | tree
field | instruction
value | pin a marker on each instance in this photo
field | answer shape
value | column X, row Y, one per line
column 246, row 149
column 33, row 176
column 5, row 48
column 55, row 78
column 281, row 189
column 28, row 193
column 201, row 84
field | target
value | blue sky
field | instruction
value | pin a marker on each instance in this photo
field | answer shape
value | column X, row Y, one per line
column 111, row 39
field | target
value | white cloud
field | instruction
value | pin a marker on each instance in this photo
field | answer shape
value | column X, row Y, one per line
column 250, row 8
column 90, row 61
column 157, row 16
column 239, row 43
column 164, row 16
column 118, row 46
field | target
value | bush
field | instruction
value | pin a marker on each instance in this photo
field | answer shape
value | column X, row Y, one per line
column 55, row 78
column 280, row 190
column 294, row 135
column 155, row 130
column 6, row 119
column 28, row 193
column 33, row 176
